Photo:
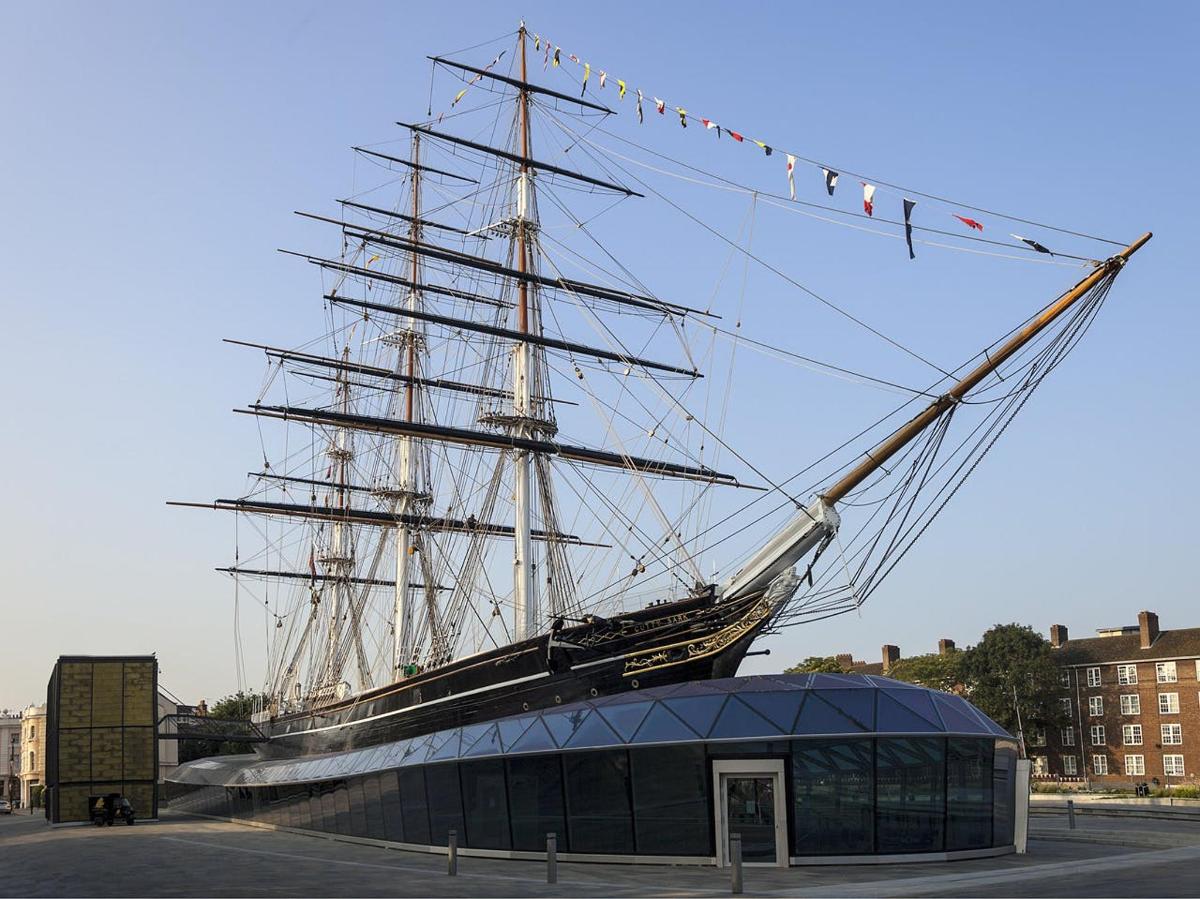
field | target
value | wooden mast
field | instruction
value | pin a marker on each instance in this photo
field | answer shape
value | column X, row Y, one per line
column 524, row 601
column 879, row 456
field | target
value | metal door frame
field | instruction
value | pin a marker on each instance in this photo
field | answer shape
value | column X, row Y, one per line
column 722, row 770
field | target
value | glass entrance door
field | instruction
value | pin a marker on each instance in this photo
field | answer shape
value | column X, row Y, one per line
column 750, row 811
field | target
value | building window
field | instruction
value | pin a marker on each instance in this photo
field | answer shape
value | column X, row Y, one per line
column 1173, row 765
column 1172, row 734
column 1037, row 736
column 1097, row 734
column 1131, row 704
column 910, row 799
column 1131, row 734
column 1095, row 705
column 833, row 785
column 31, row 760
column 1127, row 674
column 1068, row 765
column 1065, row 675
column 1066, row 705
column 1041, row 765
column 1135, row 765
column 1093, row 677
column 1068, row 736
column 1168, row 703
column 1099, row 765
column 1166, row 673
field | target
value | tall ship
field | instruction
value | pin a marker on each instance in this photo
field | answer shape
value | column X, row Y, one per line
column 494, row 481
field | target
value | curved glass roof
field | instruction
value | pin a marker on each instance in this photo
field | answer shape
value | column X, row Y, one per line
column 761, row 707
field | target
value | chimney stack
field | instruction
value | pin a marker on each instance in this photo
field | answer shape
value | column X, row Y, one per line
column 891, row 655
column 945, row 646
column 1148, row 625
column 1058, row 635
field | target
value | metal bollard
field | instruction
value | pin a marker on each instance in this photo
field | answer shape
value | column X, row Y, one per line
column 552, row 858
column 452, row 854
column 735, row 863
column 1071, row 814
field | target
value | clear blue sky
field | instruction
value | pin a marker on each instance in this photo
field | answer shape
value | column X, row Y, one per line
column 151, row 155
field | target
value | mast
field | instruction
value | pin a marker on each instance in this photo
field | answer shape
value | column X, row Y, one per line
column 337, row 558
column 402, row 611
column 525, row 613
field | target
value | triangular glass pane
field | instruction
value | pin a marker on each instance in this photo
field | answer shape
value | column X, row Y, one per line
column 472, row 732
column 702, row 688
column 626, row 718
column 535, row 739
column 956, row 715
column 619, row 698
column 661, row 726
column 918, row 701
column 512, row 729
column 487, row 744
column 738, row 720
column 817, row 716
column 778, row 708
column 563, row 724
column 697, row 712
column 858, row 705
column 593, row 731
column 823, row 681
column 891, row 684
column 895, row 718
column 447, row 750
column 756, row 683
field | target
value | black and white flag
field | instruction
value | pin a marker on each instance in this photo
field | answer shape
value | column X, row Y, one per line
column 830, row 180
column 908, row 208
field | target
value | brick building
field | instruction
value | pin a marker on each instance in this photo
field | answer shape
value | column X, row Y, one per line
column 1133, row 694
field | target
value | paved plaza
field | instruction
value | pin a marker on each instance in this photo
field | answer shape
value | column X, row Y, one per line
column 185, row 856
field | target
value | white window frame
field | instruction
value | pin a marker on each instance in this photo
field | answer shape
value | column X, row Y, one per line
column 1037, row 736
column 1166, row 673
column 1093, row 676
column 1096, row 706
column 1100, row 765
column 1169, row 734
column 1197, row 669
column 1040, row 765
column 1131, row 704
column 1098, row 735
column 1066, row 704
column 1131, row 735
column 1135, row 766
column 1068, row 736
column 1173, row 765
column 1064, row 676
column 1068, row 764
column 1127, row 674
column 1171, row 706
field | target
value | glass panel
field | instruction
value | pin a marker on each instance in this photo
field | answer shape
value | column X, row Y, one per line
column 534, row 739
column 739, row 720
column 750, row 809
column 373, row 807
column 485, row 805
column 697, row 712
column 328, row 812
column 487, row 744
column 833, row 788
column 358, row 811
column 593, row 731
column 894, row 717
column 303, row 806
column 670, row 801
column 445, row 803
column 513, row 729
column 662, row 726
column 598, row 802
column 918, row 701
column 415, row 806
column 445, row 746
column 969, row 793
column 563, row 724
column 393, row 814
column 1003, row 793
column 316, row 812
column 780, row 709
column 910, row 780
column 956, row 715
column 817, row 716
column 341, row 804
column 536, row 801
column 625, row 718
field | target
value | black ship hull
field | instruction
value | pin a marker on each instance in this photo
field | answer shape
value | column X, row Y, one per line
column 691, row 639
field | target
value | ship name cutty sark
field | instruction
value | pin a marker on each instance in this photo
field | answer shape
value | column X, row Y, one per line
column 495, row 479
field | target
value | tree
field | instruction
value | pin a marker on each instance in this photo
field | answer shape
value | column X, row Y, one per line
column 935, row 671
column 825, row 664
column 237, row 706
column 1013, row 668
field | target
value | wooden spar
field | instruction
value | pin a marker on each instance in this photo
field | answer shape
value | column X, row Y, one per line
column 416, row 167
column 879, row 456
column 522, row 84
column 379, row 210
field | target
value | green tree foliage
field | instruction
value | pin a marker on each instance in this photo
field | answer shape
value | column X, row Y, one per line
column 935, row 671
column 237, row 706
column 826, row 664
column 1013, row 668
